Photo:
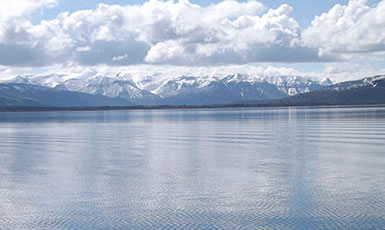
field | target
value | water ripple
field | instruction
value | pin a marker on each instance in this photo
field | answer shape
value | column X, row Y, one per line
column 297, row 168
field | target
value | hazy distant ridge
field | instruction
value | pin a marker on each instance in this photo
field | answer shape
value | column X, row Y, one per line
column 19, row 94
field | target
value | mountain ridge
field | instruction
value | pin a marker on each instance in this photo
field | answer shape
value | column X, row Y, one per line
column 20, row 94
column 179, row 90
column 233, row 89
column 369, row 90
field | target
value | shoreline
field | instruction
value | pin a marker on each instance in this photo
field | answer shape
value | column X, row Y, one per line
column 182, row 107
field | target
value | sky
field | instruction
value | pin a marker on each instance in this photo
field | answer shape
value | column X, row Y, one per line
column 304, row 10
column 341, row 40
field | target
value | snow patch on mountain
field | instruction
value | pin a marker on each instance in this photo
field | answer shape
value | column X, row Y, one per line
column 157, row 87
column 356, row 84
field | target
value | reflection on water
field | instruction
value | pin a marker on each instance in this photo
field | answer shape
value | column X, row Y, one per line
column 290, row 168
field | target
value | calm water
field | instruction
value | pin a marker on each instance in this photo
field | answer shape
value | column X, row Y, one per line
column 278, row 168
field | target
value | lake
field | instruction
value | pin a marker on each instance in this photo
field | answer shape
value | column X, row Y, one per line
column 257, row 168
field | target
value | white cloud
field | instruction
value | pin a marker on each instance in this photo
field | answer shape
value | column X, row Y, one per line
column 349, row 29
column 83, row 49
column 17, row 46
column 159, row 32
column 18, row 9
column 119, row 58
column 185, row 34
column 14, row 18
column 206, row 36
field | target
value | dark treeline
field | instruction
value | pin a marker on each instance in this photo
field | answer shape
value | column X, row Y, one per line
column 237, row 105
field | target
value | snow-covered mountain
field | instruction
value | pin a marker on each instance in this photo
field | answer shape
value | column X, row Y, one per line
column 369, row 90
column 178, row 90
column 368, row 81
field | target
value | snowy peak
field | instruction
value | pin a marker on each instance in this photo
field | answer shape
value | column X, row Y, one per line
column 368, row 81
column 365, row 91
column 183, row 89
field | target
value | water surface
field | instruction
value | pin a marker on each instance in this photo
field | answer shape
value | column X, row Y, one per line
column 272, row 168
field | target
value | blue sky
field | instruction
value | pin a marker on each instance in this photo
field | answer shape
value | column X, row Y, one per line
column 349, row 38
column 304, row 10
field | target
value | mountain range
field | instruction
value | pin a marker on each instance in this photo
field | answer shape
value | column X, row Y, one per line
column 123, row 89
column 177, row 90
column 369, row 90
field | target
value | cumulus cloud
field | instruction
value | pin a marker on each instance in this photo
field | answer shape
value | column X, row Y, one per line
column 209, row 36
column 21, row 9
column 17, row 46
column 185, row 34
column 348, row 29
column 156, row 32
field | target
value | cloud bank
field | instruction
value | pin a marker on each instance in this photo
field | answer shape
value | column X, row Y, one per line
column 185, row 34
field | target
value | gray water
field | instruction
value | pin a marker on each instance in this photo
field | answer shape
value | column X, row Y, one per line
column 274, row 168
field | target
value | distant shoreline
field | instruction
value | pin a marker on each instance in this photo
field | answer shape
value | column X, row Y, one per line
column 166, row 107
